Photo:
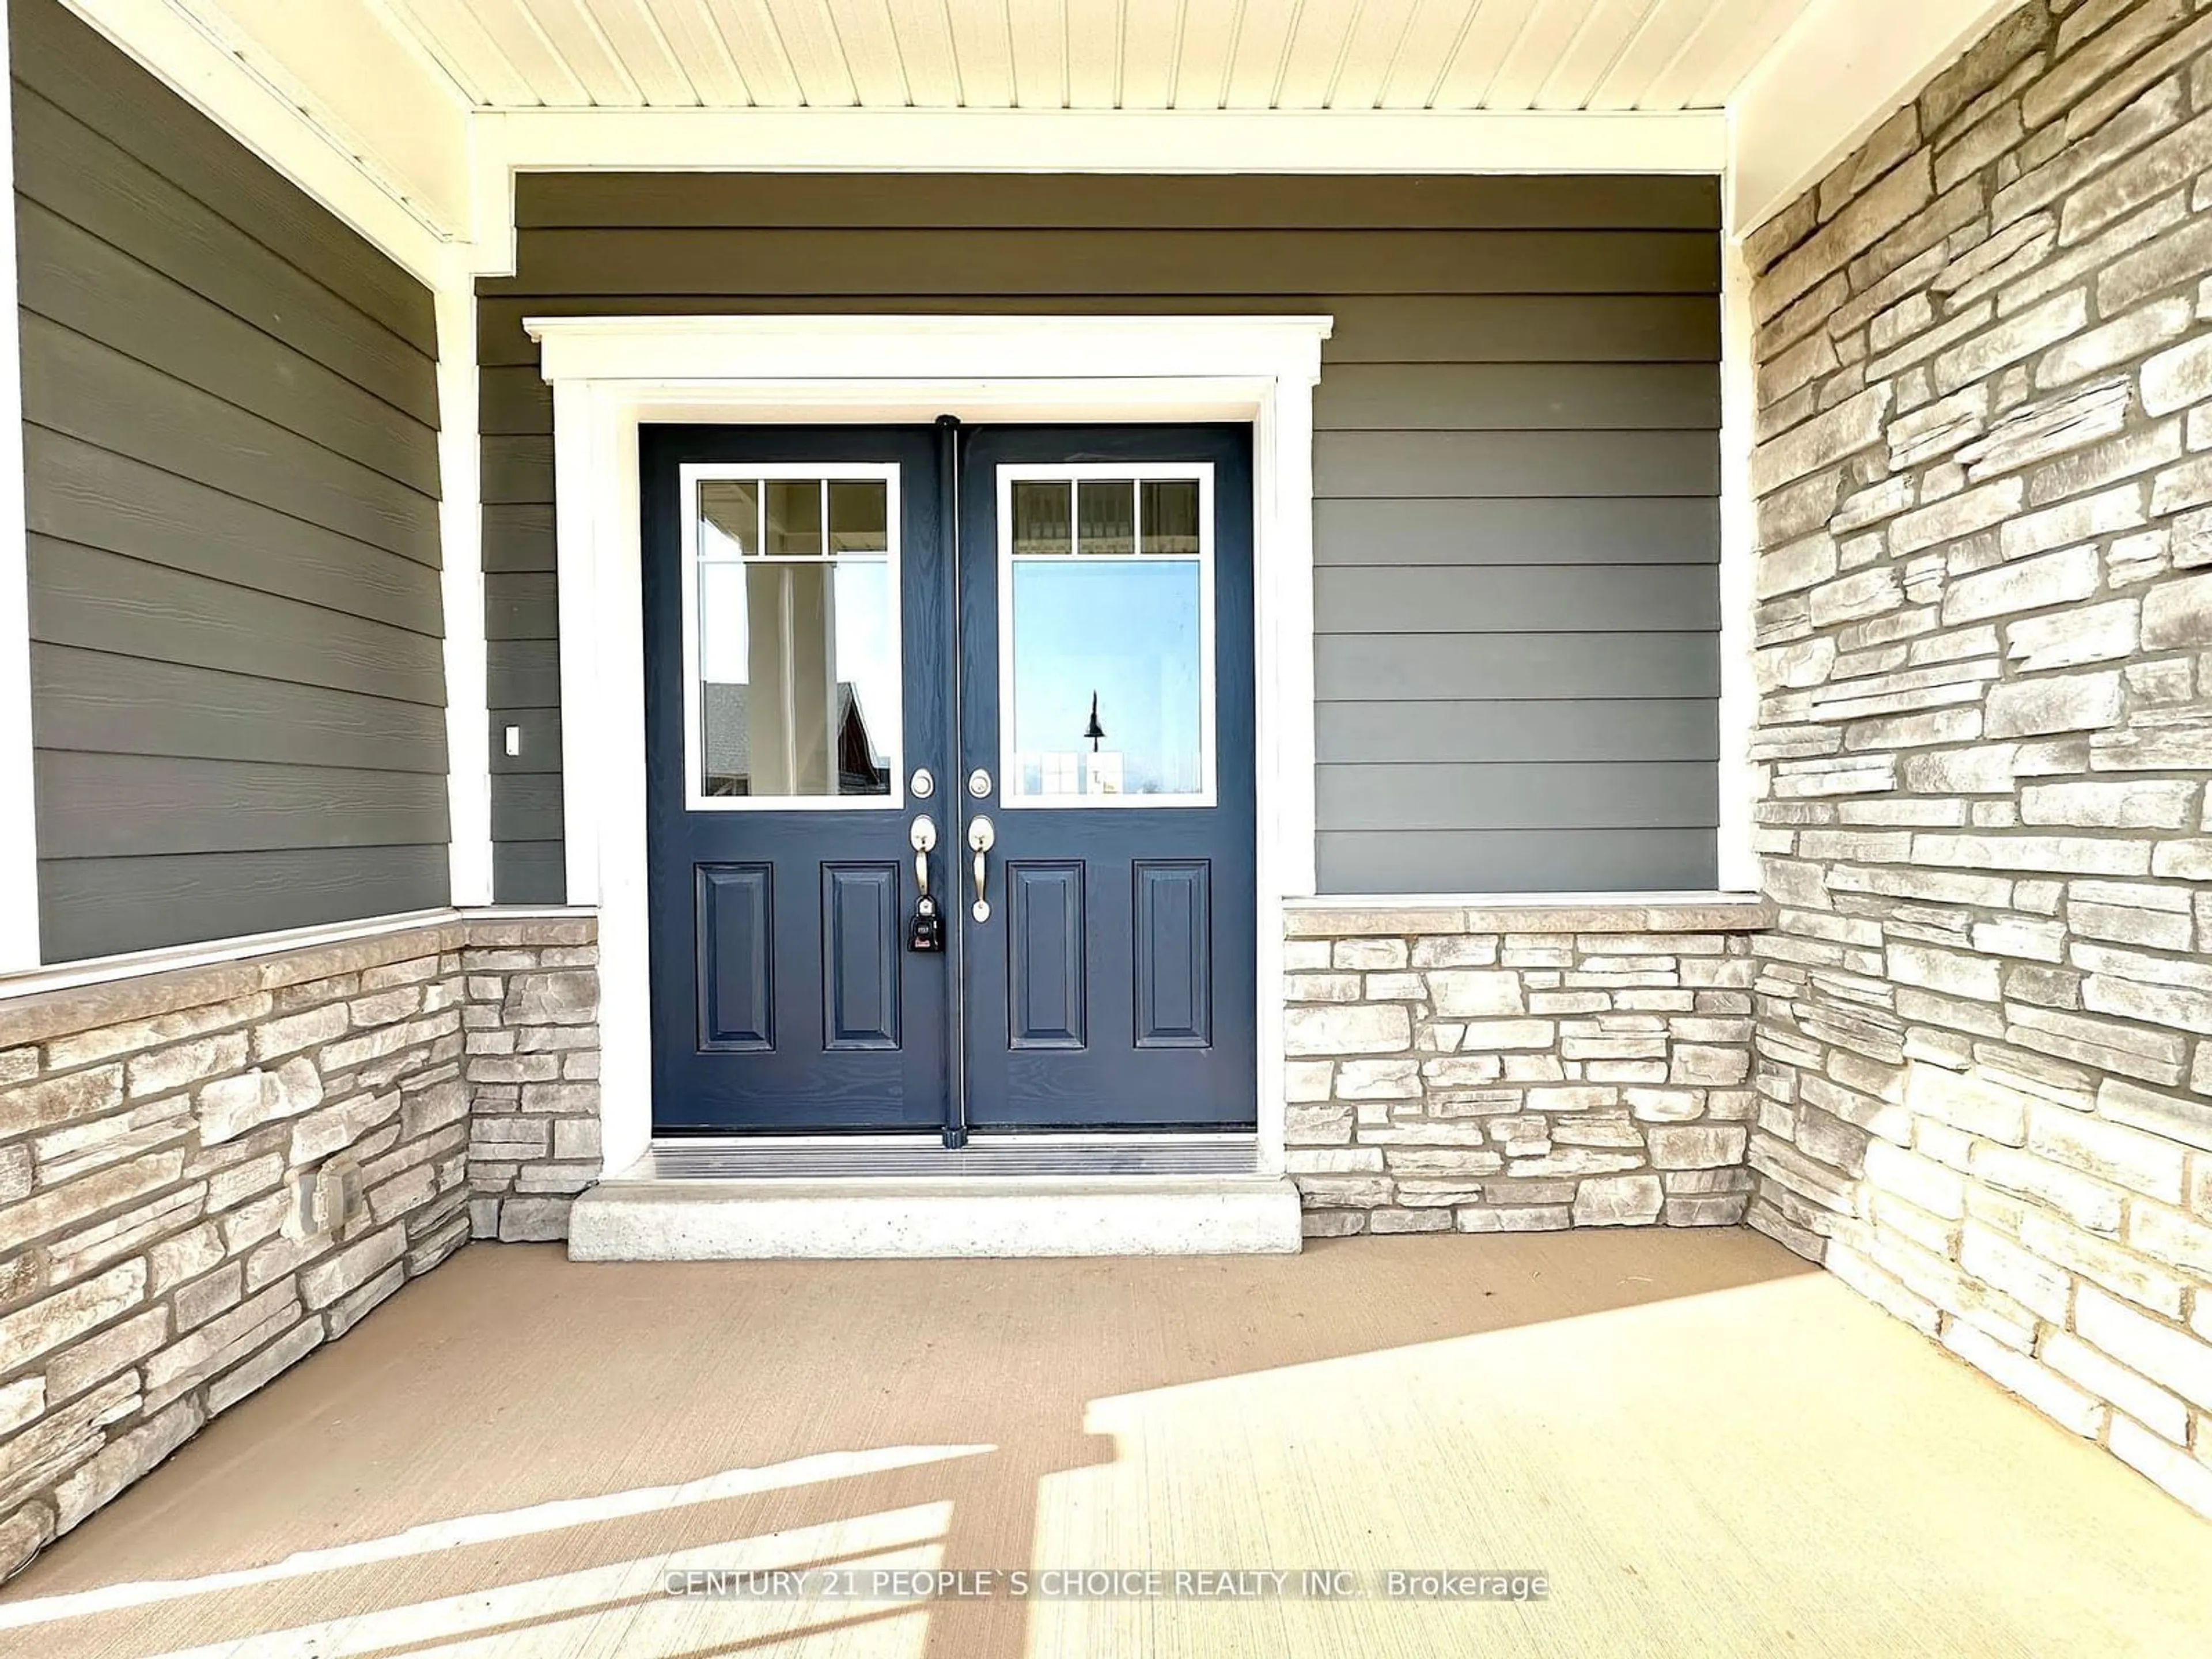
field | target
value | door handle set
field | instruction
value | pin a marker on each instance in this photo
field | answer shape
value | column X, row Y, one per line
column 982, row 838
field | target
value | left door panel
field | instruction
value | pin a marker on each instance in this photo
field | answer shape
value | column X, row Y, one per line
column 795, row 581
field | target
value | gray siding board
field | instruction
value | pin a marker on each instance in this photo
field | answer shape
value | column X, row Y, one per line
column 81, row 283
column 923, row 201
column 529, row 871
column 1519, row 598
column 94, row 805
column 1625, row 530
column 518, row 472
column 1517, row 397
column 978, row 263
column 537, row 741
column 1519, row 795
column 77, row 384
column 96, row 702
column 528, row 808
column 523, row 674
column 66, row 167
column 1650, row 729
column 1393, row 465
column 523, row 606
column 101, row 601
column 97, row 907
column 519, row 536
column 93, row 497
column 1511, row 667
column 55, row 56
column 1517, row 462
column 1516, row 860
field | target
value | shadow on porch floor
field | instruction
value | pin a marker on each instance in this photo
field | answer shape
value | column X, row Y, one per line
column 1710, row 1448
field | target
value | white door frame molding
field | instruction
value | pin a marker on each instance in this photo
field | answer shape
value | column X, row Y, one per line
column 610, row 375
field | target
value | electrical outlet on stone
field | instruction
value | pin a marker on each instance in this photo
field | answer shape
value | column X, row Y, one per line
column 338, row 1200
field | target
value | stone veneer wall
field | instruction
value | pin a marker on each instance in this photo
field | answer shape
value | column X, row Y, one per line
column 1984, row 624
column 1509, row 1070
column 155, row 1134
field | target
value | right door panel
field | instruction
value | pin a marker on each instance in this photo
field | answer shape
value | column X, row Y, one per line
column 1107, row 690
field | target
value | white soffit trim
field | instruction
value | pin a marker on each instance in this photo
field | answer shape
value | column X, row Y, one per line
column 19, row 835
column 508, row 142
column 1845, row 67
column 394, row 213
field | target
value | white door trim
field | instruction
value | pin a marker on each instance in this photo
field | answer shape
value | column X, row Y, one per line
column 612, row 374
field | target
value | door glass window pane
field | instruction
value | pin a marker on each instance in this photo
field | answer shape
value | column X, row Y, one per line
column 1107, row 690
column 1041, row 517
column 794, row 518
column 797, row 650
column 1106, row 512
column 1171, row 516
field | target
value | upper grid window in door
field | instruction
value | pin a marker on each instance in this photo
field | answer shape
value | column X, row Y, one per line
column 791, row 631
column 1106, row 635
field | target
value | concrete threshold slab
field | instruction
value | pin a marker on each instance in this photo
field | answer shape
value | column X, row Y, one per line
column 658, row 1220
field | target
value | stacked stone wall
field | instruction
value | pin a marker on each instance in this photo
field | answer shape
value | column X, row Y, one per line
column 1984, row 633
column 1494, row 1070
column 175, row 1154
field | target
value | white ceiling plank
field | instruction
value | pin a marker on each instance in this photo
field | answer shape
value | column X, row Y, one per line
column 983, row 48
column 1037, row 29
column 925, row 47
column 870, row 42
column 451, row 33
column 1209, row 35
column 1677, row 86
column 636, row 36
column 1764, row 24
column 515, row 31
column 1152, row 39
column 583, row 45
column 1371, row 49
column 817, row 57
column 1255, row 63
column 757, row 50
column 1663, row 33
column 1318, row 37
column 1094, row 53
column 1491, row 37
column 1552, row 29
column 706, row 58
column 1606, row 32
column 1432, row 39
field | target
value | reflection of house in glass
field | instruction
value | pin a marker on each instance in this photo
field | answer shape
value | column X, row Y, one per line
column 733, row 738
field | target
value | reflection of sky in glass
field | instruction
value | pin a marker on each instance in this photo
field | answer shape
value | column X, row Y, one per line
column 1128, row 631
column 866, row 659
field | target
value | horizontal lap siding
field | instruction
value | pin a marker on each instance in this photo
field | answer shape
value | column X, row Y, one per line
column 231, row 463
column 1517, row 466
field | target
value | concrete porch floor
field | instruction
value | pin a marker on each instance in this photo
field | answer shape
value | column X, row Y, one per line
column 1711, row 1449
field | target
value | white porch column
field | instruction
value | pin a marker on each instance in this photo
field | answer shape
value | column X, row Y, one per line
column 19, row 842
column 460, row 537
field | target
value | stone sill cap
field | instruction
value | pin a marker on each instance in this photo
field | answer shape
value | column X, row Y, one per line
column 83, row 996
column 1344, row 915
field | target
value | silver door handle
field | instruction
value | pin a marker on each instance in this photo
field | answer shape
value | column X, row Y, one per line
column 981, row 837
column 922, row 835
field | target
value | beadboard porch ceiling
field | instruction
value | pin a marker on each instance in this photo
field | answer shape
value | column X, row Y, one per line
column 1709, row 1448
column 1099, row 54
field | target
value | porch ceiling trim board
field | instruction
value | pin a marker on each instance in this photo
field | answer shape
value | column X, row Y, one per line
column 19, row 835
column 609, row 374
column 292, row 131
column 1846, row 68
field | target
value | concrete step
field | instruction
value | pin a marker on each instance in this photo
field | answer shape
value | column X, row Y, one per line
column 650, row 1219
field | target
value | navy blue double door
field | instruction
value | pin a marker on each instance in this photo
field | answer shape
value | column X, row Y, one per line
column 985, row 692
